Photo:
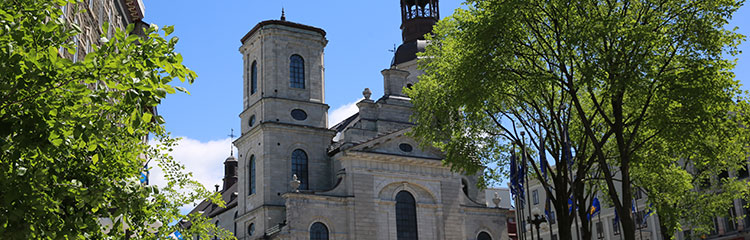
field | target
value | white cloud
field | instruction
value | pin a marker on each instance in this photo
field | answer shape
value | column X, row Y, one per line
column 343, row 112
column 204, row 159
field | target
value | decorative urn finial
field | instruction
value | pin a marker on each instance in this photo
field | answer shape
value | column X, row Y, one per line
column 367, row 93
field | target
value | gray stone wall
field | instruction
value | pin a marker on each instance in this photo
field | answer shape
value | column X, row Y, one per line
column 90, row 15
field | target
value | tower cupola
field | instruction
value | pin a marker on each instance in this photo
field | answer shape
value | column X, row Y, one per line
column 230, row 172
column 417, row 18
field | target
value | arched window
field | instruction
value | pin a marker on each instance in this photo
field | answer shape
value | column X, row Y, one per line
column 299, row 167
column 318, row 231
column 254, row 78
column 465, row 186
column 216, row 233
column 484, row 236
column 235, row 224
column 406, row 216
column 251, row 180
column 296, row 71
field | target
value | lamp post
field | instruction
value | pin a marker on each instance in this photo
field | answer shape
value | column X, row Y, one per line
column 538, row 219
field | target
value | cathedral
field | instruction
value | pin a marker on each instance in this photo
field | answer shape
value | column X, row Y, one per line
column 363, row 178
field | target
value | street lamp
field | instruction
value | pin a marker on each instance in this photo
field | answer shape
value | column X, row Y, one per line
column 538, row 219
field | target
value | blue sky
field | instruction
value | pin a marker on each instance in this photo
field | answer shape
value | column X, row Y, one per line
column 360, row 35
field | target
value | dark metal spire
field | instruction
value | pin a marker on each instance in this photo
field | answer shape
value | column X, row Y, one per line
column 231, row 147
column 283, row 18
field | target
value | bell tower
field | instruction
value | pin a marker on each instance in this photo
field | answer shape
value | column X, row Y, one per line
column 417, row 18
column 284, row 120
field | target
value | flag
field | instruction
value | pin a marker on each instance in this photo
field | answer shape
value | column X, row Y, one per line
column 570, row 205
column 144, row 175
column 176, row 235
column 595, row 207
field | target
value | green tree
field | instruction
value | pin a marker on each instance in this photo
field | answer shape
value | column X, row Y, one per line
column 73, row 135
column 641, row 87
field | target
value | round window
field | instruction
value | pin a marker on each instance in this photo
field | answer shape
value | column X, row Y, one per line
column 252, row 120
column 251, row 229
column 405, row 147
column 298, row 114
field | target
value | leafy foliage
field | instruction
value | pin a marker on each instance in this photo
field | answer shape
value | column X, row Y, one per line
column 74, row 135
column 642, row 89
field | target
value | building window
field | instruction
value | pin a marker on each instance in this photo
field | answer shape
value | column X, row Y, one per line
column 465, row 187
column 251, row 229
column 554, row 236
column 299, row 167
column 715, row 229
column 746, row 213
column 216, row 233
column 484, row 236
column 637, row 193
column 640, row 219
column 535, row 196
column 253, row 78
column 318, row 231
column 299, row 114
column 687, row 235
column 296, row 71
column 742, row 173
column 251, row 181
column 406, row 216
column 729, row 222
column 405, row 147
column 552, row 217
column 615, row 227
column 599, row 230
column 235, row 224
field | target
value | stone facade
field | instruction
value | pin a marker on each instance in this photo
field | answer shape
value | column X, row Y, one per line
column 90, row 15
column 355, row 169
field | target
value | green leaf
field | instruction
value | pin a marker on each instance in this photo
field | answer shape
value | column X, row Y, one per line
column 168, row 30
column 146, row 117
column 92, row 146
column 95, row 158
column 182, row 89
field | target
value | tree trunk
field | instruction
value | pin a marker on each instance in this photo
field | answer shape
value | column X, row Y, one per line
column 564, row 222
column 582, row 210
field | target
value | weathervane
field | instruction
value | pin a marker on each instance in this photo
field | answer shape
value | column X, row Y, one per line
column 394, row 49
column 231, row 148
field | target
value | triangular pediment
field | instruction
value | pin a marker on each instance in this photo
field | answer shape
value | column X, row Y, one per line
column 398, row 143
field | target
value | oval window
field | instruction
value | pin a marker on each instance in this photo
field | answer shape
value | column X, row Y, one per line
column 298, row 114
column 252, row 120
column 405, row 147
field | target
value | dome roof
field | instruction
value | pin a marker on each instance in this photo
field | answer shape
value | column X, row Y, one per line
column 230, row 158
column 408, row 51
